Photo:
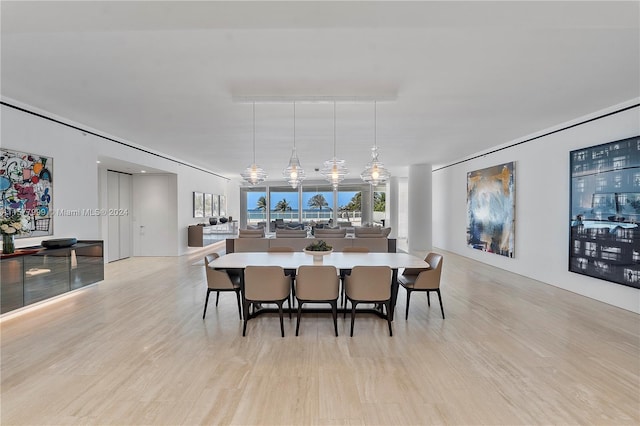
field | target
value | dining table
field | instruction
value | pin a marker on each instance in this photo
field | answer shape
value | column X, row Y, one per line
column 343, row 262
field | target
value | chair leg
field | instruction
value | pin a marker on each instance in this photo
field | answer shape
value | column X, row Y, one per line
column 388, row 306
column 217, row 297
column 290, row 307
column 353, row 315
column 344, row 312
column 281, row 320
column 440, row 299
column 299, row 314
column 334, row 311
column 206, row 302
column 428, row 299
column 239, row 307
column 406, row 314
column 246, row 317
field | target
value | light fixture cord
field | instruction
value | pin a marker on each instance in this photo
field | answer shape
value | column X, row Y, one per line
column 254, row 133
column 334, row 130
column 375, row 124
column 294, row 125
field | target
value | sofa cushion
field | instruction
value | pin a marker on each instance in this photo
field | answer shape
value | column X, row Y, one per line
column 291, row 233
column 330, row 233
column 368, row 231
column 251, row 233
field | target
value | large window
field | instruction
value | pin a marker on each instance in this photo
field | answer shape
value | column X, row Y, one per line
column 256, row 206
column 357, row 204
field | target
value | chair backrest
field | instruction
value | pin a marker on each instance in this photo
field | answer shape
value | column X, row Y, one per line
column 251, row 233
column 431, row 277
column 369, row 283
column 330, row 233
column 291, row 233
column 282, row 249
column 265, row 283
column 355, row 250
column 317, row 282
column 216, row 279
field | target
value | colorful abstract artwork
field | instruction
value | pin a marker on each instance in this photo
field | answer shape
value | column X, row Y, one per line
column 491, row 206
column 26, row 187
column 605, row 212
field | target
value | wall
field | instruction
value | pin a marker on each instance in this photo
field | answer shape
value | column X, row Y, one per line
column 542, row 206
column 79, row 183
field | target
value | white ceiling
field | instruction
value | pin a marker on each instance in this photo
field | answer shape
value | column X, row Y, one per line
column 456, row 77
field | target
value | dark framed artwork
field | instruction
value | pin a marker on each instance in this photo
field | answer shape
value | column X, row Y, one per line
column 208, row 205
column 491, row 206
column 26, row 186
column 198, row 204
column 605, row 212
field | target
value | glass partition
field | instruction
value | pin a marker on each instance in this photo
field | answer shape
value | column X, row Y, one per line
column 317, row 204
column 284, row 204
column 256, row 206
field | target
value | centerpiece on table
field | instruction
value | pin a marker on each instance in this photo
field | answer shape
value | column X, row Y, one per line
column 10, row 226
column 318, row 249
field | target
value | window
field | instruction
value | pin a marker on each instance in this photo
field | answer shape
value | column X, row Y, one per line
column 256, row 206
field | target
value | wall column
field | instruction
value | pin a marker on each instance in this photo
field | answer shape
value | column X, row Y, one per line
column 419, row 212
column 393, row 195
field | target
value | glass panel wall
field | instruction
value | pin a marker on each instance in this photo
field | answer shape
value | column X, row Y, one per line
column 284, row 204
column 380, row 205
column 256, row 209
column 317, row 204
column 350, row 205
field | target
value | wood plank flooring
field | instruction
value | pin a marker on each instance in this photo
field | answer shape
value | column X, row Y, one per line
column 135, row 350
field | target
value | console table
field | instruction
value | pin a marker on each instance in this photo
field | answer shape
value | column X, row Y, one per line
column 200, row 236
column 34, row 274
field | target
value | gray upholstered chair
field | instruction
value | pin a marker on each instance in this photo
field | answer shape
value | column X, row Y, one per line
column 251, row 233
column 289, row 272
column 427, row 280
column 369, row 284
column 318, row 284
column 265, row 284
column 218, row 280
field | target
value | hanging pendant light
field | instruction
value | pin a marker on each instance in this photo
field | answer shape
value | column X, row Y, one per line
column 254, row 174
column 375, row 172
column 334, row 170
column 294, row 173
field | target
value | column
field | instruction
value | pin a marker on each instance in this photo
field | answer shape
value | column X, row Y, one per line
column 419, row 211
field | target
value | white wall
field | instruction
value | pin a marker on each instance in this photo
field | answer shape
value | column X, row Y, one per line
column 542, row 207
column 78, row 182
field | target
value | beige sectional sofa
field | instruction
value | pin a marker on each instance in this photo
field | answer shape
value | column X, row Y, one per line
column 375, row 245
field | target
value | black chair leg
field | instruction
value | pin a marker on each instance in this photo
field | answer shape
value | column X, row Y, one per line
column 388, row 306
column 344, row 312
column 245, row 304
column 353, row 315
column 428, row 298
column 440, row 299
column 239, row 308
column 281, row 320
column 206, row 302
column 406, row 314
column 334, row 311
column 217, row 297
column 298, row 319
column 290, row 307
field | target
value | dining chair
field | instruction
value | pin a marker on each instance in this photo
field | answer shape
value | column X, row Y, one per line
column 345, row 272
column 289, row 272
column 265, row 284
column 218, row 280
column 426, row 280
column 318, row 284
column 369, row 284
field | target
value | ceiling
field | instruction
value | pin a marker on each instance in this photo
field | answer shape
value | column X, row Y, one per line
column 453, row 78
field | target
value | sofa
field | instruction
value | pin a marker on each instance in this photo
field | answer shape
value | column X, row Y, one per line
column 375, row 245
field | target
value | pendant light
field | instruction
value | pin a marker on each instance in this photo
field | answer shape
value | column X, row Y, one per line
column 254, row 174
column 294, row 173
column 375, row 172
column 334, row 170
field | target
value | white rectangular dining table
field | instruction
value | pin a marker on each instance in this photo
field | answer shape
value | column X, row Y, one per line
column 341, row 261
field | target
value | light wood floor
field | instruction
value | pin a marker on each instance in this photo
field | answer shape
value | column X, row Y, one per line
column 135, row 350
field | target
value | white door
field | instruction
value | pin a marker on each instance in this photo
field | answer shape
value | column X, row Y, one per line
column 119, row 219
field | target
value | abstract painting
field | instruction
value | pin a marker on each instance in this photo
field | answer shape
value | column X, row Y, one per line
column 605, row 212
column 491, row 209
column 198, row 204
column 26, row 187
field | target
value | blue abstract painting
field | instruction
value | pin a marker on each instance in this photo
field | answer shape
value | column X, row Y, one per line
column 491, row 206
